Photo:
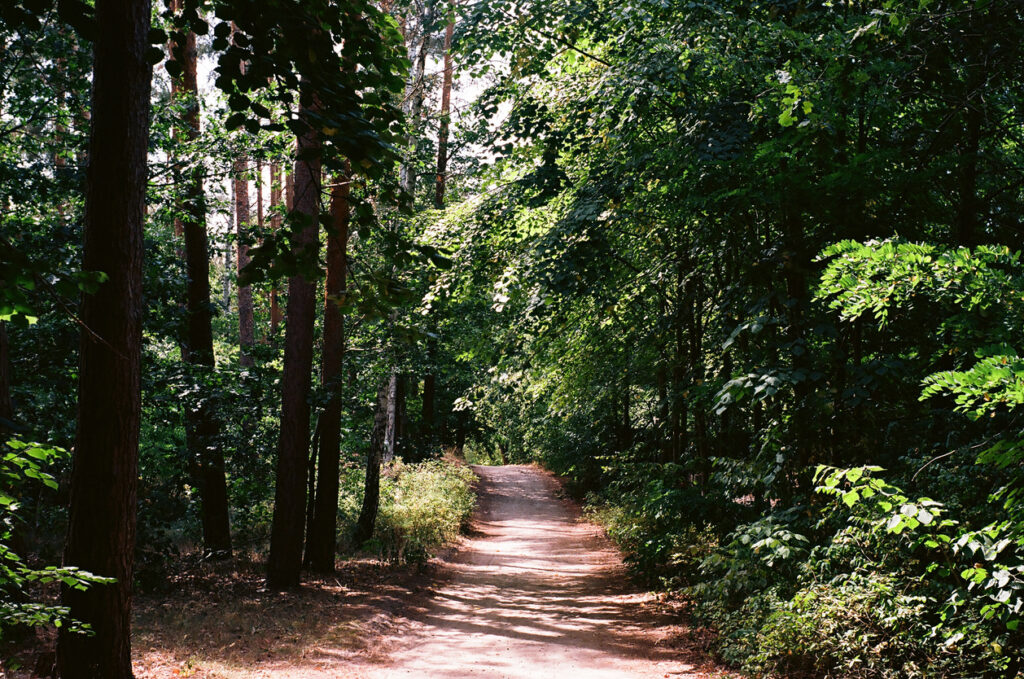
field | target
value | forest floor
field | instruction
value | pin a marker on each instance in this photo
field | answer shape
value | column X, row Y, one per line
column 533, row 591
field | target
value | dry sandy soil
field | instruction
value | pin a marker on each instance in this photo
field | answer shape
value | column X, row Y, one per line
column 536, row 593
column 533, row 592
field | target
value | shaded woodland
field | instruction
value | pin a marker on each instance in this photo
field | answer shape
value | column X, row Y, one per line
column 747, row 274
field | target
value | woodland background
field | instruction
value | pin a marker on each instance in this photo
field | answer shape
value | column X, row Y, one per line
column 747, row 273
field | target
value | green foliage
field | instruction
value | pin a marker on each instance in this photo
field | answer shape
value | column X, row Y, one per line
column 853, row 626
column 21, row 465
column 423, row 507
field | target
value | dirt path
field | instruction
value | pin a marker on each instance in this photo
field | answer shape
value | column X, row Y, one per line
column 535, row 593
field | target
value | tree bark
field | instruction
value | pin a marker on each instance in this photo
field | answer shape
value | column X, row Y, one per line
column 286, row 538
column 391, row 433
column 275, row 225
column 101, row 517
column 202, row 426
column 440, row 184
column 371, row 493
column 415, row 95
column 321, row 543
column 246, row 322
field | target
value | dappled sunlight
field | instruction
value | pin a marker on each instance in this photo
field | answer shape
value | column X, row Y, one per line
column 537, row 593
column 231, row 628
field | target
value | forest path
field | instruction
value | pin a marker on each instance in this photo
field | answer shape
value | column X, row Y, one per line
column 535, row 593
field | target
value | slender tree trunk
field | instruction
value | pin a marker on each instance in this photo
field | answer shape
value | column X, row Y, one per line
column 661, row 379
column 246, row 322
column 440, row 183
column 401, row 415
column 460, row 433
column 695, row 333
column 680, row 406
column 225, row 302
column 202, row 426
column 371, row 493
column 415, row 94
column 321, row 543
column 275, row 224
column 6, row 406
column 101, row 517
column 429, row 392
column 285, row 562
column 260, row 222
column 391, row 433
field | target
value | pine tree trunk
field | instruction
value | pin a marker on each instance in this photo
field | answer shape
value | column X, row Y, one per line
column 101, row 517
column 202, row 426
column 371, row 492
column 275, row 224
column 286, row 538
column 320, row 543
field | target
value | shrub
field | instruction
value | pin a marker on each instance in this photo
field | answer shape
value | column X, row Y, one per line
column 855, row 626
column 423, row 506
column 21, row 464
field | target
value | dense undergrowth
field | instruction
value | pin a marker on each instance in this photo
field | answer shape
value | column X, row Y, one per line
column 873, row 587
column 423, row 508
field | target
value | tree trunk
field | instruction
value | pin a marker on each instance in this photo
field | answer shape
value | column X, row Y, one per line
column 320, row 543
column 6, row 407
column 275, row 224
column 101, row 516
column 446, row 106
column 202, row 426
column 429, row 395
column 246, row 322
column 415, row 94
column 225, row 281
column 401, row 415
column 285, row 560
column 371, row 493
column 391, row 433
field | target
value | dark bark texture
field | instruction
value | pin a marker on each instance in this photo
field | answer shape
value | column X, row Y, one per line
column 371, row 494
column 285, row 562
column 101, row 518
column 202, row 427
column 320, row 543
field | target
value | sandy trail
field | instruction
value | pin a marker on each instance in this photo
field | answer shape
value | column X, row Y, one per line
column 535, row 593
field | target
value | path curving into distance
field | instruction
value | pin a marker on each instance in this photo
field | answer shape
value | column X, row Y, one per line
column 535, row 593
